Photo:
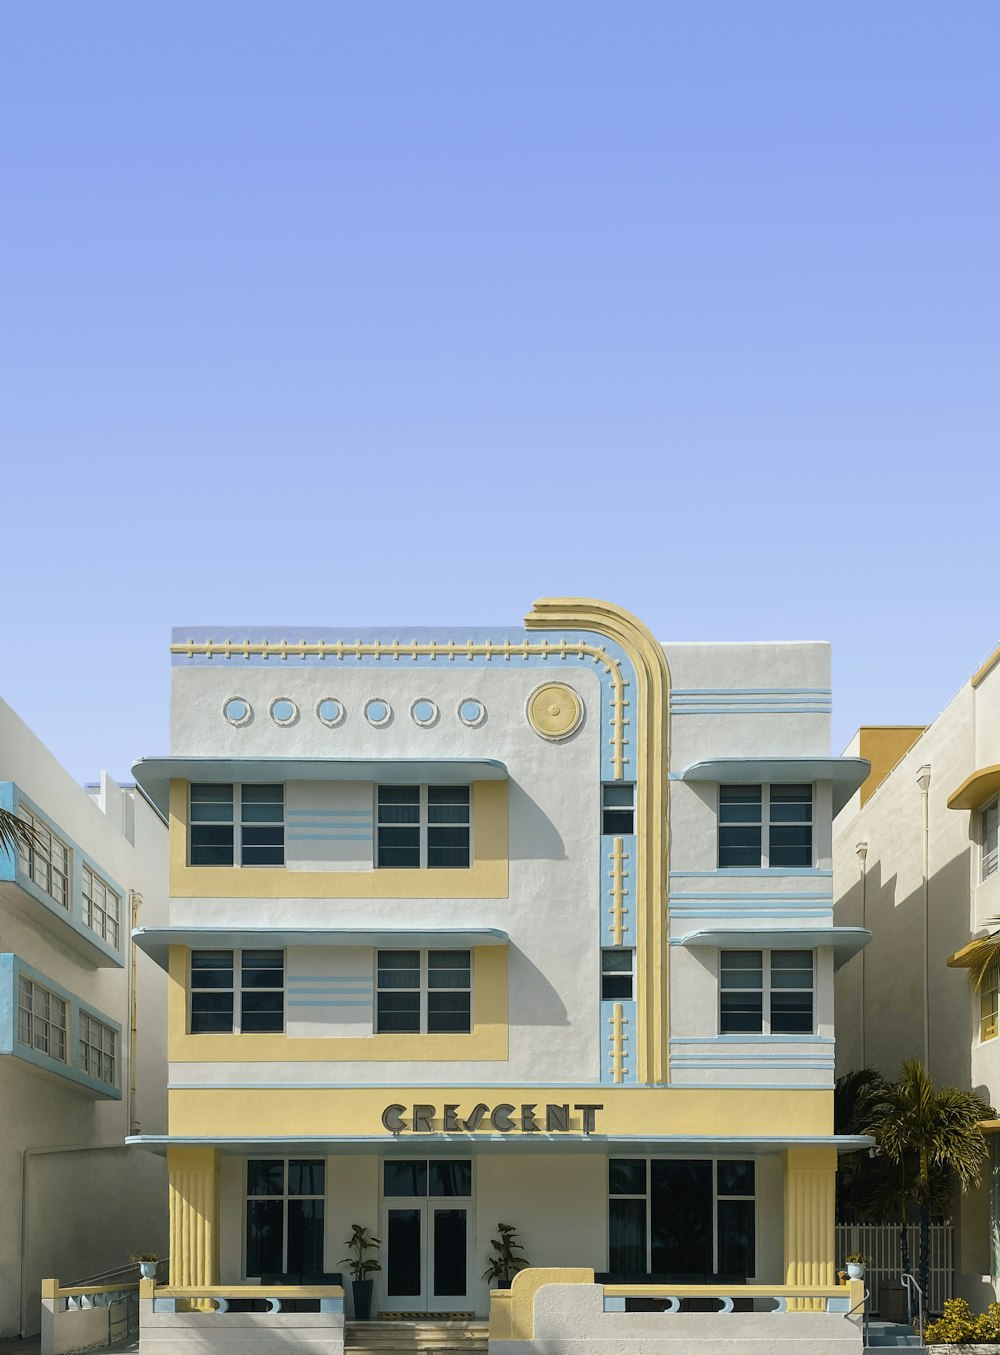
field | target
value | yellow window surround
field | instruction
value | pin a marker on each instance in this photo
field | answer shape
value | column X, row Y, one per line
column 988, row 1015
column 486, row 878
column 487, row 1041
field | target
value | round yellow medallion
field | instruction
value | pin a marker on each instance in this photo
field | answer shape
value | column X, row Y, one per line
column 554, row 711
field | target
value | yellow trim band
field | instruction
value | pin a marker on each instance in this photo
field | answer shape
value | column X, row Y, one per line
column 488, row 1039
column 976, row 789
column 487, row 878
column 650, row 724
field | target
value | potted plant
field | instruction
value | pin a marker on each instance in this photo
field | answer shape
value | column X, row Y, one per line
column 504, row 1265
column 361, row 1264
column 147, row 1263
column 856, row 1263
column 841, row 1276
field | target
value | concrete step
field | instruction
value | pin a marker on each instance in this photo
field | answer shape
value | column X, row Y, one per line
column 892, row 1336
column 461, row 1336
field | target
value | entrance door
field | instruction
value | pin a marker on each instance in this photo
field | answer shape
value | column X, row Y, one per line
column 427, row 1235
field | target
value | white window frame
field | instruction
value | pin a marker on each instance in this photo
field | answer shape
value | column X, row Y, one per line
column 662, row 1157
column 238, row 990
column 612, row 808
column 237, row 824
column 39, row 1025
column 284, row 1197
column 618, row 973
column 989, row 1027
column 95, row 1053
column 424, row 990
column 767, row 992
column 765, row 826
column 102, row 906
column 422, row 825
column 989, row 857
column 33, row 859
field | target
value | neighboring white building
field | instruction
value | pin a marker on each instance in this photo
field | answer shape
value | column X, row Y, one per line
column 73, row 1084
column 532, row 925
column 915, row 862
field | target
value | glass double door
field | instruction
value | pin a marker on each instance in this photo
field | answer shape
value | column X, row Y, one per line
column 427, row 1232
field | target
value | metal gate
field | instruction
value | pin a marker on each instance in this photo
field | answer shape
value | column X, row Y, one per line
column 880, row 1241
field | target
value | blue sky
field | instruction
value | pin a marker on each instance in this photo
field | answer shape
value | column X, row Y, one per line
column 398, row 313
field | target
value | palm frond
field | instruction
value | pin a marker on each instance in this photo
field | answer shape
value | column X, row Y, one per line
column 982, row 961
column 18, row 836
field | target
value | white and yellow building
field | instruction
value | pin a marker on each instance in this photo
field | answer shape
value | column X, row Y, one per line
column 531, row 925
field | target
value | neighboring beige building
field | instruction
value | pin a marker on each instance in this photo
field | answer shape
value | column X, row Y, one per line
column 915, row 860
column 76, row 1074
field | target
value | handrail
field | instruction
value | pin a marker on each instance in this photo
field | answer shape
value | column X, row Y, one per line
column 863, row 1305
column 910, row 1283
column 77, row 1291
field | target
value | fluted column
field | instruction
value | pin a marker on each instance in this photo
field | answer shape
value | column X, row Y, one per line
column 193, row 1174
column 810, row 1215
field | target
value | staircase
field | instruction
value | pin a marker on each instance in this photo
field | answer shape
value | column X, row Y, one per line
column 444, row 1336
column 892, row 1336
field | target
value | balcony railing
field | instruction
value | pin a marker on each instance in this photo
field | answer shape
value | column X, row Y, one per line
column 226, row 1317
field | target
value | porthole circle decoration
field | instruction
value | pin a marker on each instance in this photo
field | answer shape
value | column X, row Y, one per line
column 471, row 712
column 378, row 712
column 554, row 711
column 330, row 712
column 424, row 712
column 284, row 711
column 237, row 710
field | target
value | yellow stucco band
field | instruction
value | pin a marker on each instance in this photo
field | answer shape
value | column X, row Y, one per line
column 220, row 1112
column 488, row 1039
column 486, row 878
column 810, row 1212
column 193, row 1196
column 526, row 1285
column 884, row 746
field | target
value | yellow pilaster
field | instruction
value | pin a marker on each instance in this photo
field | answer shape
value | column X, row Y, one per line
column 810, row 1205
column 193, row 1175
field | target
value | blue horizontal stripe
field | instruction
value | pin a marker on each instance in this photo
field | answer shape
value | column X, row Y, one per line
column 723, row 873
column 321, row 1002
column 332, row 813
column 751, row 691
column 328, row 837
column 723, row 910
column 764, row 1067
column 751, row 710
column 749, row 1038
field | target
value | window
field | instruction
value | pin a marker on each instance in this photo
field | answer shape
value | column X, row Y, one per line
column 424, row 991
column 256, row 838
column 41, row 1019
column 423, row 826
column 765, row 826
column 784, row 976
column 285, row 1216
column 989, row 823
column 616, row 974
column 988, row 1014
column 101, row 907
column 98, row 1049
column 688, row 1220
column 46, row 861
column 261, row 991
column 618, row 809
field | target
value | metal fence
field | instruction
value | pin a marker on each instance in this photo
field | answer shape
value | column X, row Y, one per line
column 880, row 1241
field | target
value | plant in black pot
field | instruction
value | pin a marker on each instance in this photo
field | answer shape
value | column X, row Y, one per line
column 505, row 1263
column 361, row 1261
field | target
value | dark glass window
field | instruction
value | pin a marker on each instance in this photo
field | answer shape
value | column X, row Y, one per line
column 449, row 991
column 398, row 997
column 211, row 991
column 398, row 826
column 627, row 1176
column 212, row 833
column 791, row 992
column 680, row 1197
column 262, row 830
column 618, row 809
column 739, row 826
column 261, row 1001
column 787, row 978
column 429, row 991
column 790, row 832
column 285, row 1215
column 741, row 997
column 448, row 827
column 418, row 1177
column 616, row 974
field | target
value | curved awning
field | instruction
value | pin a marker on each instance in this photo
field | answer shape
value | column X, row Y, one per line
column 154, row 774
column 156, row 941
column 845, row 941
column 976, row 789
column 846, row 773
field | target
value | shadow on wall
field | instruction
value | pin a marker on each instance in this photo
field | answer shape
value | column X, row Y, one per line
column 537, row 838
column 894, row 972
column 547, row 1008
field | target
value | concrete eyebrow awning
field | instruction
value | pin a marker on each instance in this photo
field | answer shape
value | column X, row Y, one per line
column 156, row 941
column 154, row 774
column 976, row 789
column 844, row 941
column 846, row 773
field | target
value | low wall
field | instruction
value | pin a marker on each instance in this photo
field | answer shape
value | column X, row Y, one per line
column 200, row 1322
column 543, row 1316
column 84, row 1317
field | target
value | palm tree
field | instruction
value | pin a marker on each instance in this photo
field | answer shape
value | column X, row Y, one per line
column 16, row 835
column 931, row 1139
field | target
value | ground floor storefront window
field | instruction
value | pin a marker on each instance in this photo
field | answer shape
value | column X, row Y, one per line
column 284, row 1215
column 689, row 1220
